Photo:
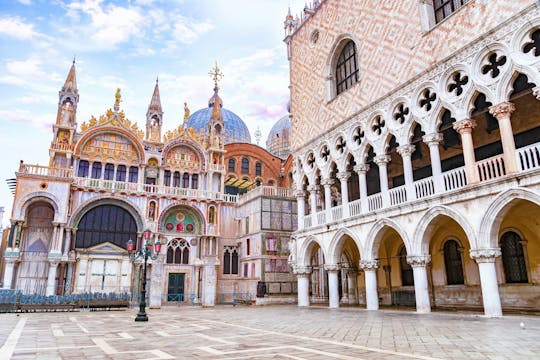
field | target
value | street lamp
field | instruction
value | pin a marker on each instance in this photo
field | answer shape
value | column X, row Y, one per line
column 145, row 252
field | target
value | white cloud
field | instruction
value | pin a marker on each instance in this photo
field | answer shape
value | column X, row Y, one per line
column 25, row 2
column 187, row 30
column 26, row 116
column 16, row 28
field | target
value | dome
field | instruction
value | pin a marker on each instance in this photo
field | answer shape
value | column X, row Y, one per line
column 278, row 142
column 235, row 129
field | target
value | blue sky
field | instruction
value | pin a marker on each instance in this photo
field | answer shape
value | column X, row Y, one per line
column 128, row 44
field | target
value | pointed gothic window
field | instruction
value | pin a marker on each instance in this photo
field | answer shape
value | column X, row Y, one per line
column 226, row 262
column 513, row 258
column 452, row 263
column 346, row 68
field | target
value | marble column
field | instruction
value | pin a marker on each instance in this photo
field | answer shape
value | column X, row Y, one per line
column 333, row 285
column 464, row 128
column 502, row 113
column 432, row 141
column 301, row 202
column 382, row 162
column 9, row 271
column 406, row 151
column 302, row 276
column 327, row 183
column 313, row 194
column 51, row 278
column 370, row 273
column 352, row 276
column 485, row 258
column 421, row 292
column 69, row 275
column 362, row 170
column 343, row 178
column 67, row 241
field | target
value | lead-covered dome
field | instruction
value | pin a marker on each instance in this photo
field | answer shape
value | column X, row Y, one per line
column 235, row 128
column 278, row 142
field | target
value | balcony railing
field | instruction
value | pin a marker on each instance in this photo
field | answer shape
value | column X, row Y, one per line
column 45, row 171
column 527, row 158
column 270, row 191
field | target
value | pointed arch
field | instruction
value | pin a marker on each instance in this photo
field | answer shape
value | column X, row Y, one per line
column 422, row 231
column 490, row 224
column 306, row 249
column 373, row 240
column 336, row 244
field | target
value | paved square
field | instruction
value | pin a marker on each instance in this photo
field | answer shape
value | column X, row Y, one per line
column 272, row 332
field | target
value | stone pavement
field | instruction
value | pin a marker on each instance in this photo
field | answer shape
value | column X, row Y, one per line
column 270, row 332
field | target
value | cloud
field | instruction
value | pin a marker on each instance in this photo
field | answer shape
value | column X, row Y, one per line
column 188, row 30
column 16, row 28
column 25, row 2
column 25, row 116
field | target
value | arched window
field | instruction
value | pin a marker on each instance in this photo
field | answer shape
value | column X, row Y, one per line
column 133, row 174
column 452, row 263
column 96, row 170
column 176, row 179
column 194, row 181
column 83, row 168
column 106, row 223
column 109, row 172
column 167, row 178
column 121, row 173
column 346, row 68
column 178, row 252
column 513, row 258
column 258, row 169
column 245, row 165
column 185, row 180
column 232, row 165
column 407, row 278
column 230, row 260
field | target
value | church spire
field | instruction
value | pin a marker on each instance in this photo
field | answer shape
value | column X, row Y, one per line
column 154, row 116
column 71, row 81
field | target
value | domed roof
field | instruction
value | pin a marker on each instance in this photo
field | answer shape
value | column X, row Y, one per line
column 278, row 142
column 235, row 129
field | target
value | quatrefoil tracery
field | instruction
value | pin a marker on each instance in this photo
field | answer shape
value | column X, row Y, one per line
column 340, row 145
column 378, row 125
column 495, row 62
column 325, row 153
column 358, row 135
column 427, row 99
column 458, row 83
column 400, row 115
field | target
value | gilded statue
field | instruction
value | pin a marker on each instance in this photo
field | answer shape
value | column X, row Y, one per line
column 118, row 98
column 93, row 121
column 186, row 112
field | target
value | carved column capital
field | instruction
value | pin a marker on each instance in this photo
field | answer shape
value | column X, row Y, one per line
column 361, row 168
column 382, row 159
column 418, row 260
column 432, row 139
column 302, row 270
column 331, row 267
column 327, row 182
column 313, row 188
column 502, row 110
column 485, row 255
column 369, row 264
column 464, row 126
column 406, row 150
column 300, row 194
column 343, row 175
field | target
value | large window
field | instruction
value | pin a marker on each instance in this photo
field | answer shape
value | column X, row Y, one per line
column 245, row 165
column 452, row 263
column 230, row 261
column 106, row 223
column 258, row 169
column 96, row 170
column 83, row 168
column 444, row 8
column 133, row 174
column 121, row 173
column 346, row 68
column 407, row 277
column 513, row 257
column 109, row 172
column 167, row 178
column 178, row 252
column 194, row 181
column 232, row 165
column 176, row 179
column 185, row 180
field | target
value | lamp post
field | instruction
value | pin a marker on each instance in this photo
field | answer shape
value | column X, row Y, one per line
column 145, row 252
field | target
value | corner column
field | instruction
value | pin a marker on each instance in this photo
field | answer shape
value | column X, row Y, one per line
column 432, row 141
column 327, row 183
column 301, row 203
column 362, row 170
column 302, row 276
column 502, row 113
column 421, row 292
column 8, row 271
column 485, row 258
column 51, row 278
column 343, row 178
column 382, row 161
column 406, row 151
column 313, row 193
column 370, row 271
column 333, row 286
column 464, row 128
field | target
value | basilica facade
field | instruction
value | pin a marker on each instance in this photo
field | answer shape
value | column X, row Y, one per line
column 224, row 230
column 416, row 144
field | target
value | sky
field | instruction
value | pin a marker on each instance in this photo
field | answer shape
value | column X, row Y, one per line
column 128, row 44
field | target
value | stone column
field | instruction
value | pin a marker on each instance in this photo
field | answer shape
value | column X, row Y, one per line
column 485, row 258
column 51, row 278
column 382, row 161
column 54, row 238
column 362, row 170
column 140, row 178
column 313, row 193
column 343, row 177
column 8, row 271
column 302, row 275
column 327, row 183
column 161, row 176
column 502, row 113
column 301, row 202
column 421, row 292
column 352, row 275
column 69, row 275
column 464, row 128
column 67, row 241
column 370, row 272
column 406, row 151
column 432, row 141
column 333, row 285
